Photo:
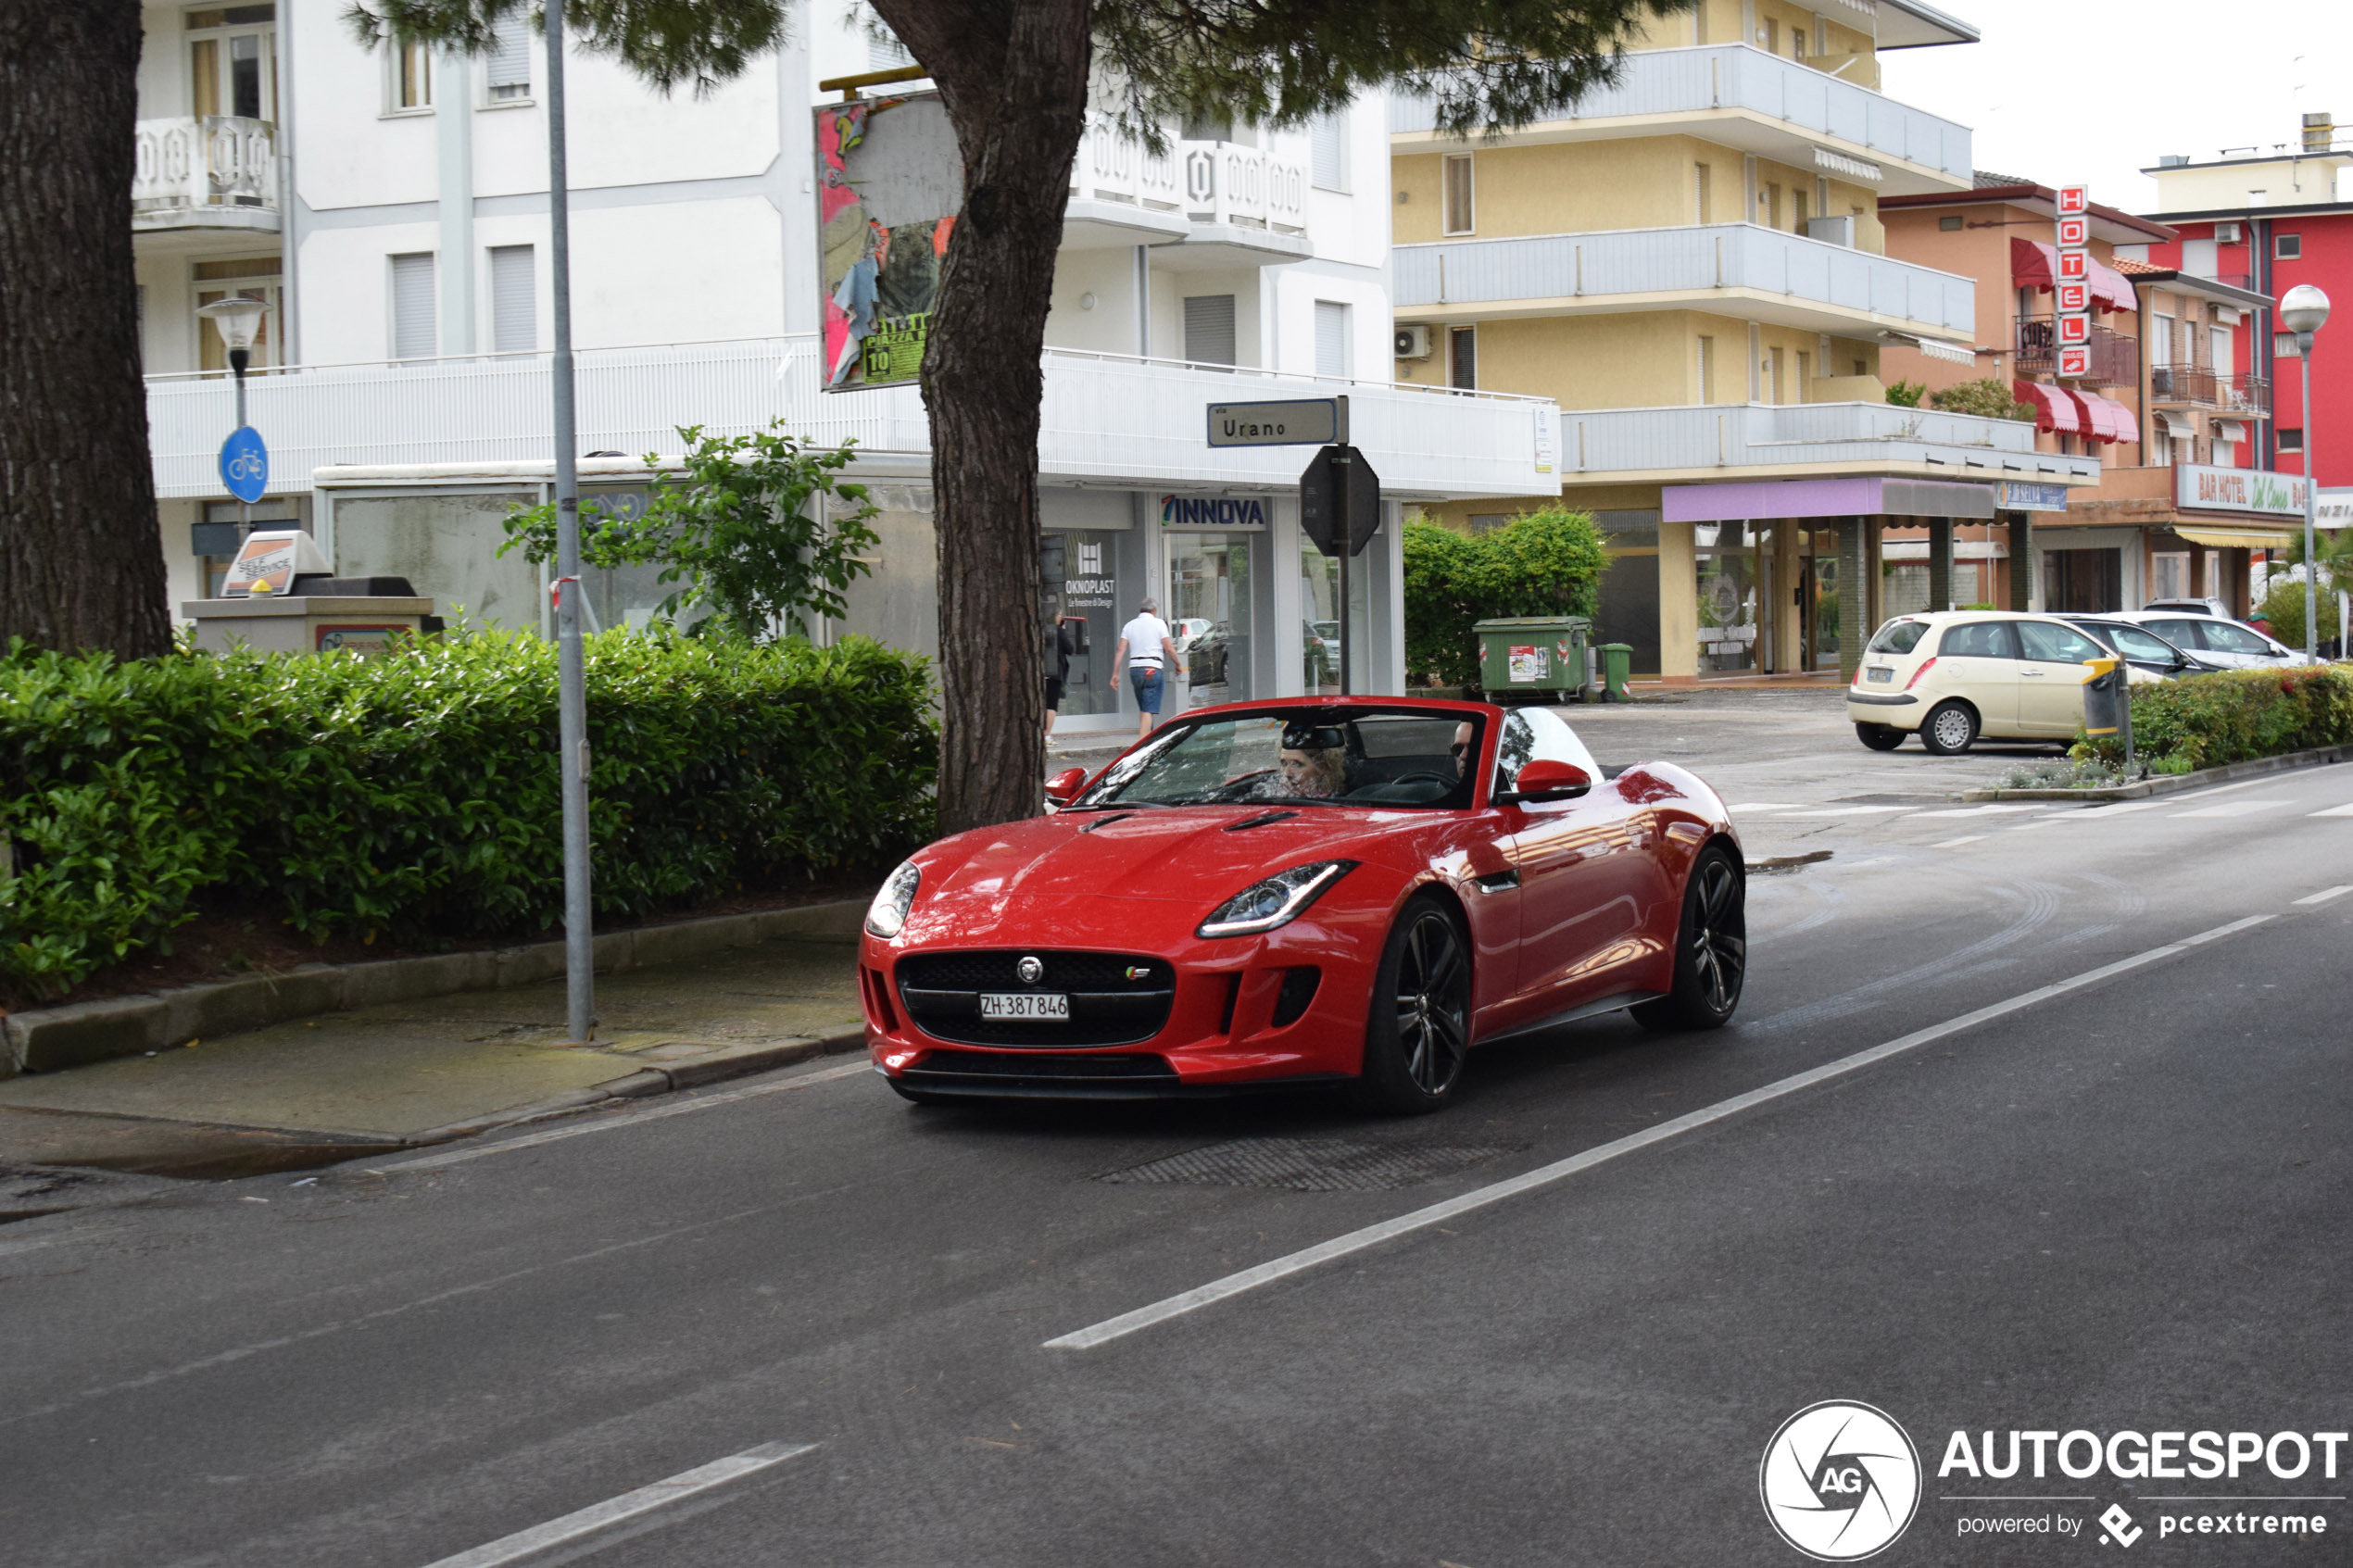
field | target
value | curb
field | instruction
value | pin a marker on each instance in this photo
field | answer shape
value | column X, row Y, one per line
column 2173, row 783
column 53, row 1038
column 741, row 1063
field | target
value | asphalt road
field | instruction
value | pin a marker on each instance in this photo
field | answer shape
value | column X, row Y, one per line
column 2123, row 1205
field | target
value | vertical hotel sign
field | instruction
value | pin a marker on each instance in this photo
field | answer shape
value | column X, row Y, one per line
column 890, row 184
column 2071, row 288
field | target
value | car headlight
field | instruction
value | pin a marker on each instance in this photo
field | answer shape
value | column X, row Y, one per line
column 1280, row 898
column 887, row 913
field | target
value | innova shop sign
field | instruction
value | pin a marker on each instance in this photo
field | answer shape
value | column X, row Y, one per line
column 2201, row 488
column 1212, row 511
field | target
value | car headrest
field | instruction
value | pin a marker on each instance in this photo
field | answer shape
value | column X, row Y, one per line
column 1313, row 737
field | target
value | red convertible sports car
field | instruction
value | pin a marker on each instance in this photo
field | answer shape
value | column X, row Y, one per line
column 1342, row 890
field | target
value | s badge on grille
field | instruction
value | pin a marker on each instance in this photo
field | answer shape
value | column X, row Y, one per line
column 1031, row 970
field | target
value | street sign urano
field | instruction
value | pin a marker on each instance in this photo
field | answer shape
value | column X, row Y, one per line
column 245, row 464
column 1307, row 421
column 1320, row 514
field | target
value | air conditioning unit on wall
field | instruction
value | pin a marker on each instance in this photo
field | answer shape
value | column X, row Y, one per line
column 2226, row 233
column 1412, row 343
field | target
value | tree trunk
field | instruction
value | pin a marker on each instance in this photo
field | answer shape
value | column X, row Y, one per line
column 1013, row 78
column 80, row 557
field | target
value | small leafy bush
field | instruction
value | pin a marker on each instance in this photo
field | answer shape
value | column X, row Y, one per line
column 1989, row 399
column 417, row 794
column 2233, row 716
column 1547, row 562
column 1906, row 394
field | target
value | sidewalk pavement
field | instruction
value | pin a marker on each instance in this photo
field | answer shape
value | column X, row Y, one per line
column 314, row 1090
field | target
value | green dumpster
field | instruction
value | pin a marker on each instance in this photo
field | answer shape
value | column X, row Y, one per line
column 1617, row 659
column 1531, row 655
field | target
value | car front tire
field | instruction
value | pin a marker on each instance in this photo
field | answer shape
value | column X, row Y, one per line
column 1950, row 728
column 1418, row 1036
column 1711, row 948
column 1879, row 737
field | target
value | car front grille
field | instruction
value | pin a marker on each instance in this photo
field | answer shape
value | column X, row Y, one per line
column 1115, row 999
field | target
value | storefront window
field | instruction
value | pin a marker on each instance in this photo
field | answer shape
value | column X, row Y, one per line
column 1629, row 611
column 1080, row 573
column 1724, row 556
column 1208, row 609
column 1319, row 620
column 1820, row 598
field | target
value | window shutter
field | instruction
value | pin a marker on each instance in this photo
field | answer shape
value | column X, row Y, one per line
column 884, row 52
column 1332, row 338
column 1209, row 329
column 509, row 62
column 514, row 300
column 1327, row 153
column 413, row 331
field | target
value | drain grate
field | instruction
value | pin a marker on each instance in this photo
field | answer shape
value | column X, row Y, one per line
column 1308, row 1164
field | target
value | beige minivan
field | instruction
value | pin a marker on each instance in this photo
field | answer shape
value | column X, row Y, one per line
column 1959, row 676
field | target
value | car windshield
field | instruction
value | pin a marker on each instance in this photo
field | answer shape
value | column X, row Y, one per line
column 1898, row 636
column 2222, row 634
column 1299, row 757
column 2134, row 643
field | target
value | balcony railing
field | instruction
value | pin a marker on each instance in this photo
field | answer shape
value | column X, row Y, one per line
column 1733, row 76
column 1673, row 266
column 1105, row 417
column 2200, row 386
column 2116, row 358
column 214, row 171
column 1688, row 441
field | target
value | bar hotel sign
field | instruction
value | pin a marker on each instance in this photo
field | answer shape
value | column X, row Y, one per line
column 2072, row 286
column 2197, row 487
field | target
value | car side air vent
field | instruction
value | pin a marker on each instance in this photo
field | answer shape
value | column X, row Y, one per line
column 1260, row 820
column 1106, row 822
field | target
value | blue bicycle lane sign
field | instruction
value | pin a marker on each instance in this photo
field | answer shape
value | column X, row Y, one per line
column 245, row 464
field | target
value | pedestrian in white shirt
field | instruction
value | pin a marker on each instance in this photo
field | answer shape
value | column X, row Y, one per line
column 1150, row 654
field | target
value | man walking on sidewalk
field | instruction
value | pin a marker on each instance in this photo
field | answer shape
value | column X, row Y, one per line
column 1150, row 654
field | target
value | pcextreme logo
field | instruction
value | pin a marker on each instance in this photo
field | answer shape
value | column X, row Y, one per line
column 1840, row 1481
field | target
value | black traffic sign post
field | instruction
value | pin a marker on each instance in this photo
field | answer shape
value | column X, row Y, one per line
column 1339, row 510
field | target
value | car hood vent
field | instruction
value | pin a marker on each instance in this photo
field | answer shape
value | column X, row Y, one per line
column 1106, row 822
column 1260, row 820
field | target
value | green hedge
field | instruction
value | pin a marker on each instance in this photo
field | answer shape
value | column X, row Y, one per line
column 416, row 795
column 1547, row 562
column 2236, row 715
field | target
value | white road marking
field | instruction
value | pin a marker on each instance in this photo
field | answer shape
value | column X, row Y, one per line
column 628, row 1119
column 1546, row 1175
column 1851, row 812
column 2093, row 813
column 1987, row 810
column 2325, row 893
column 603, row 1515
column 1956, row 843
column 2337, row 811
column 2238, row 808
column 1761, row 806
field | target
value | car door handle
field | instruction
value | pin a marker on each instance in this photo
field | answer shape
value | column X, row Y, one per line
column 2031, row 669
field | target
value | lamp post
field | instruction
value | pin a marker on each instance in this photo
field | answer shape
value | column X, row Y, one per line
column 571, row 679
column 2304, row 310
column 239, row 321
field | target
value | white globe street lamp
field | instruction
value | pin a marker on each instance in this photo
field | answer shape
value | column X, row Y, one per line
column 2304, row 310
column 239, row 321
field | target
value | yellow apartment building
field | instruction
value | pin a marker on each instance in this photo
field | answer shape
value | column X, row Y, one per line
column 1692, row 264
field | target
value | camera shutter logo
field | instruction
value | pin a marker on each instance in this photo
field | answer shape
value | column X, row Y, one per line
column 1840, row 1481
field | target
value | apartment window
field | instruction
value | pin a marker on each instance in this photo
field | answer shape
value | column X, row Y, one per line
column 2284, row 347
column 2217, row 342
column 1209, row 329
column 1707, row 370
column 884, row 52
column 1797, row 212
column 256, row 278
column 1459, row 214
column 410, row 84
column 2161, row 341
column 514, row 300
column 1951, row 225
column 1774, row 365
column 1328, row 151
column 1332, row 338
column 2288, row 247
column 1462, row 358
column 1862, row 367
column 507, row 69
column 1770, row 35
column 2291, row 440
column 2161, row 454
column 1797, row 44
column 1702, row 195
column 413, row 328
column 1768, row 205
column 1804, row 374
column 232, row 61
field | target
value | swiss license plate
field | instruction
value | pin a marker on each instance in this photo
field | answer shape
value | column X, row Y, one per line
column 1880, row 674
column 1025, row 1004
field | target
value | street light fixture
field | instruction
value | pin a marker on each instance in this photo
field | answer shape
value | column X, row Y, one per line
column 2304, row 310
column 239, row 321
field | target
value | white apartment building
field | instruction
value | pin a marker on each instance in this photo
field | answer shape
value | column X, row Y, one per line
column 391, row 208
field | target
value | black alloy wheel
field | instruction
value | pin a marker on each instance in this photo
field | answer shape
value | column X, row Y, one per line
column 1879, row 737
column 1711, row 948
column 1418, row 1037
column 1949, row 729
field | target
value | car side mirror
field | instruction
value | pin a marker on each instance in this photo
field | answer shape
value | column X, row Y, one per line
column 1063, row 787
column 1546, row 779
